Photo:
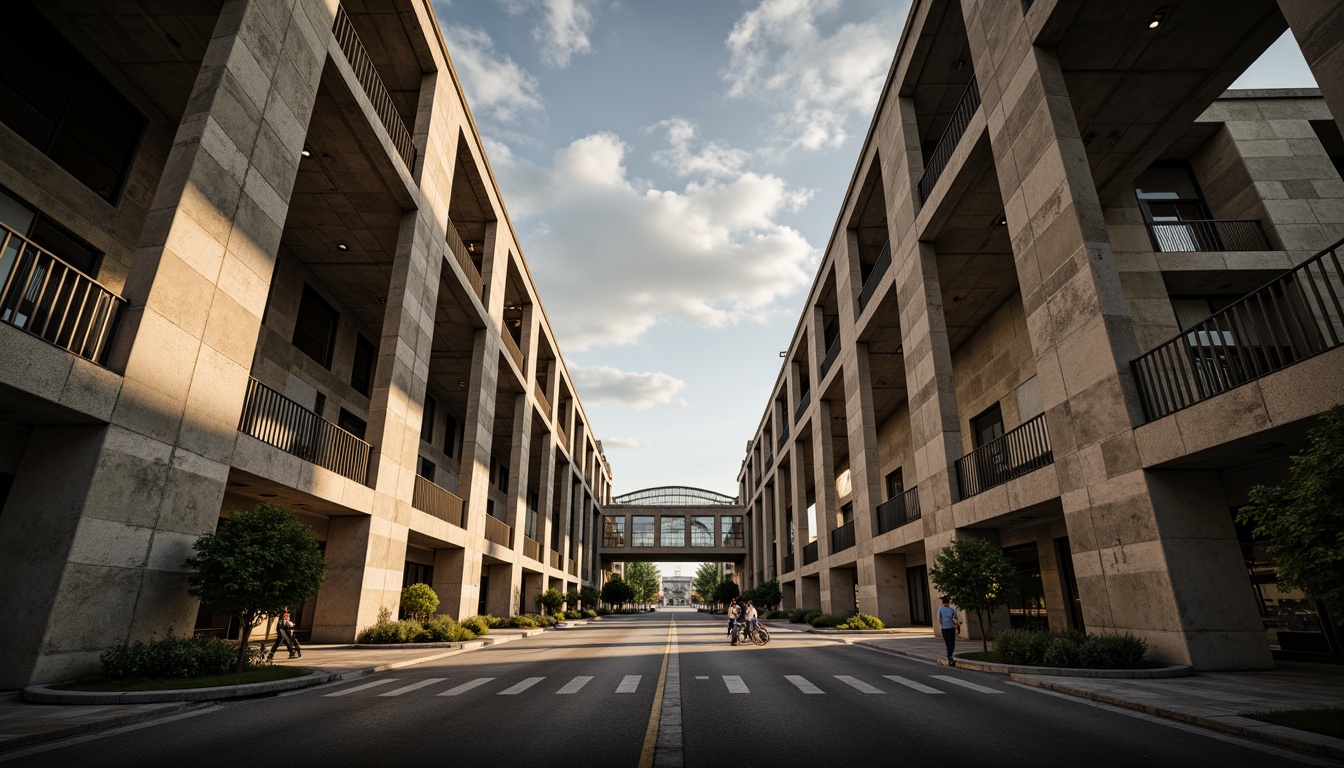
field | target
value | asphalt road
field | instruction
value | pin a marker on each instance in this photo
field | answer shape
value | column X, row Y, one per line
column 585, row 696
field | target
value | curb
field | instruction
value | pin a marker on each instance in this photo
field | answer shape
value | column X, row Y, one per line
column 130, row 718
column 1160, row 673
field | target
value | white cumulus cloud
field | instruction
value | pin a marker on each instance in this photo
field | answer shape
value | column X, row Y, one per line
column 494, row 83
column 560, row 27
column 684, row 156
column 633, row 389
column 614, row 257
column 628, row 443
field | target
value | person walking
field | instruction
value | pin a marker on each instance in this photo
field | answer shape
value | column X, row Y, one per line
column 947, row 619
column 749, row 617
column 284, row 633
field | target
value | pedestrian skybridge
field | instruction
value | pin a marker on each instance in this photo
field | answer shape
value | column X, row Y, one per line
column 673, row 524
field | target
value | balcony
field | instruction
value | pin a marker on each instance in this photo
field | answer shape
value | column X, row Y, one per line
column 1016, row 453
column 436, row 501
column 1208, row 235
column 276, row 420
column 810, row 553
column 803, row 401
column 573, row 568
column 373, row 87
column 53, row 301
column 899, row 510
column 783, row 439
column 511, row 345
column 788, row 563
column 464, row 261
column 532, row 548
column 498, row 531
column 555, row 559
column 832, row 352
column 543, row 402
column 842, row 538
column 947, row 144
column 880, row 268
column 1289, row 319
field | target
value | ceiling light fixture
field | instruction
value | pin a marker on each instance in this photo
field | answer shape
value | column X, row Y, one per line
column 342, row 247
column 1159, row 16
column 306, row 152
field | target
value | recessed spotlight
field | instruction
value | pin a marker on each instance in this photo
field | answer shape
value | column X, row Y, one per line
column 1159, row 16
column 1002, row 221
column 342, row 247
column 306, row 152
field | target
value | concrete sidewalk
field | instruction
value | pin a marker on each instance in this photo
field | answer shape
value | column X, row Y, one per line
column 24, row 724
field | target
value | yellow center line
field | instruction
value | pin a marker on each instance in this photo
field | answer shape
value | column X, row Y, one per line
column 651, row 733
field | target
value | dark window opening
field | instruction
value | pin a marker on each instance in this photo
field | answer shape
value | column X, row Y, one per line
column 427, row 469
column 25, row 220
column 450, row 437
column 352, row 424
column 895, row 483
column 988, row 426
column 917, row 587
column 361, row 373
column 427, row 421
column 315, row 327
column 1026, row 602
column 417, row 573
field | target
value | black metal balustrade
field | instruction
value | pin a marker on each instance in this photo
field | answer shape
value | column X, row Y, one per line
column 788, row 563
column 1208, row 235
column 842, row 538
column 803, row 401
column 276, row 420
column 52, row 300
column 832, row 352
column 880, row 268
column 368, row 78
column 498, row 531
column 1016, row 453
column 947, row 144
column 783, row 438
column 1293, row 317
column 463, row 256
column 810, row 553
column 898, row 510
column 432, row 499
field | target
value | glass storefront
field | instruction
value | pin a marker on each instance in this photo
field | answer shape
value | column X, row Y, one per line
column 1296, row 625
column 1026, row 603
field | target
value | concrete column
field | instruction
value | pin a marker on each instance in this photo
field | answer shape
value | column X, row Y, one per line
column 823, row 463
column 864, row 472
column 458, row 579
column 365, row 560
column 1319, row 30
column 545, row 487
column 1131, row 531
column 505, row 589
column 520, row 453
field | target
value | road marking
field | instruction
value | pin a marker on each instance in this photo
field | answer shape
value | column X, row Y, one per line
column 922, row 688
column 414, row 686
column 702, row 677
column 858, row 684
column 802, row 684
column 735, row 684
column 650, row 748
column 966, row 684
column 575, row 685
column 463, row 688
column 520, row 687
column 366, row 686
column 629, row 684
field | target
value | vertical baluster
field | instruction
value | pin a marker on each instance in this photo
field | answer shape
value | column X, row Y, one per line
column 1321, row 316
column 56, row 295
column 1282, row 320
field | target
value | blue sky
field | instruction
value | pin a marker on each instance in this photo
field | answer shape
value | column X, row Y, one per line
column 673, row 170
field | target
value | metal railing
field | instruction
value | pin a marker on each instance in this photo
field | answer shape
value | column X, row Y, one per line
column 803, row 402
column 276, row 420
column 543, row 402
column 432, row 499
column 498, row 531
column 1208, row 235
column 879, row 269
column 464, row 261
column 832, row 352
column 532, row 548
column 810, row 553
column 52, row 300
column 512, row 347
column 783, row 438
column 899, row 510
column 555, row 559
column 947, row 144
column 842, row 538
column 1293, row 317
column 1016, row 453
column 788, row 563
column 368, row 78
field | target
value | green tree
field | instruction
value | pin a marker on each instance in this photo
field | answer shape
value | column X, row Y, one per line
column 706, row 580
column 418, row 601
column 725, row 591
column 766, row 595
column 617, row 592
column 588, row 597
column 976, row 576
column 645, row 579
column 1303, row 518
column 572, row 599
column 550, row 600
column 257, row 564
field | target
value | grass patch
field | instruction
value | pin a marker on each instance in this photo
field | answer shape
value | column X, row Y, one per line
column 1328, row 721
column 253, row 675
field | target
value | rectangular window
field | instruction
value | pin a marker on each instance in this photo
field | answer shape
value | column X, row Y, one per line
column 427, row 469
column 427, row 421
column 351, row 423
column 613, row 531
column 672, row 532
column 988, row 426
column 895, row 483
column 702, row 531
column 361, row 373
column 417, row 573
column 732, row 530
column 530, row 530
column 25, row 220
column 315, row 327
column 450, row 437
column 641, row 531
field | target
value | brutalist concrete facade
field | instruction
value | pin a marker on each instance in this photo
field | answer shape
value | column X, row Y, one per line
column 280, row 269
column 1048, row 191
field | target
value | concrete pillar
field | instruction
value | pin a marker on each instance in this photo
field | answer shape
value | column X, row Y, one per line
column 1317, row 26
column 365, row 560
column 464, row 582
column 504, row 589
column 532, row 589
column 456, row 584
column 1127, row 527
column 809, row 591
column 838, row 590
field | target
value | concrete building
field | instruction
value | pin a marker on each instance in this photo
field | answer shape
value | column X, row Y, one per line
column 677, row 590
column 254, row 250
column 671, row 524
column 1077, row 300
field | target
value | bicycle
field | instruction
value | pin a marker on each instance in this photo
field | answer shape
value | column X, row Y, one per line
column 760, row 637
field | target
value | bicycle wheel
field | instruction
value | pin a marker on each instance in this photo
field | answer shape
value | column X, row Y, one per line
column 760, row 636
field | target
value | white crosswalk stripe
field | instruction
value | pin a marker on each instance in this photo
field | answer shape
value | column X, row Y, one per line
column 858, row 684
column 735, row 684
column 575, row 685
column 803, row 684
column 520, row 687
column 628, row 685
column 463, row 688
column 364, row 687
column 907, row 682
column 414, row 686
column 966, row 684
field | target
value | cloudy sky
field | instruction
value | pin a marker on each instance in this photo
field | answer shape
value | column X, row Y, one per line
column 674, row 170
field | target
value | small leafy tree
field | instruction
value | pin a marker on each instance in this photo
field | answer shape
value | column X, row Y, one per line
column 588, row 597
column 257, row 564
column 617, row 592
column 976, row 576
column 645, row 579
column 766, row 595
column 550, row 600
column 725, row 591
column 1304, row 517
column 418, row 601
column 706, row 579
column 572, row 599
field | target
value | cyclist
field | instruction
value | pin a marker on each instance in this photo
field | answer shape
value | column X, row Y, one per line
column 734, row 611
column 749, row 617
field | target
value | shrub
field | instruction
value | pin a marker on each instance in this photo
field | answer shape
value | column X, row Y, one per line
column 525, row 622
column 550, row 600
column 1112, row 651
column 173, row 657
column 1070, row 649
column 573, row 615
column 863, row 621
column 496, row 622
column 803, row 615
column 1064, row 650
column 777, row 614
column 408, row 631
column 827, row 621
column 418, row 601
column 603, row 611
column 442, row 629
column 590, row 614
column 480, row 625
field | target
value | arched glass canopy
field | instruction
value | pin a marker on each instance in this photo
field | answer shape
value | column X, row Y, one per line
column 675, row 496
